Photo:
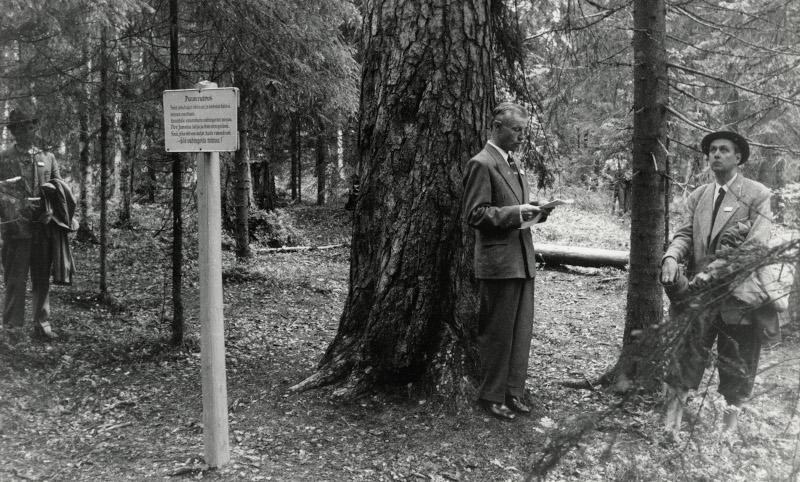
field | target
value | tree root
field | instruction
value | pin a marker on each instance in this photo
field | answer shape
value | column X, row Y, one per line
column 581, row 384
column 612, row 379
column 331, row 372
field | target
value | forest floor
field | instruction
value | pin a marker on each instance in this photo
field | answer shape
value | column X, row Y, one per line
column 109, row 400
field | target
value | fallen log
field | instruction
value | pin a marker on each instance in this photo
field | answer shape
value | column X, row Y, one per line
column 293, row 249
column 589, row 257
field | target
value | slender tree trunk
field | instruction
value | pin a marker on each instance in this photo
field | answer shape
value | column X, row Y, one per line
column 340, row 176
column 241, row 185
column 84, row 158
column 273, row 158
column 297, row 177
column 126, row 139
column 411, row 308
column 322, row 161
column 228, row 223
column 151, row 180
column 105, row 127
column 644, row 302
column 177, row 193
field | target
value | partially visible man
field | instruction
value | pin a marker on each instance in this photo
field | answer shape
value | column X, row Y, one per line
column 496, row 203
column 25, row 240
column 618, row 173
column 712, row 211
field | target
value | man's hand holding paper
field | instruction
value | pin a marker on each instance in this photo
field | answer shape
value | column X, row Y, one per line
column 541, row 210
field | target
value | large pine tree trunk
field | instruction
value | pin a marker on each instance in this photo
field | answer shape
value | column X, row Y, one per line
column 426, row 91
column 644, row 303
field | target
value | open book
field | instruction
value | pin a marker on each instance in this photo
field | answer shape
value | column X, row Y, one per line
column 551, row 204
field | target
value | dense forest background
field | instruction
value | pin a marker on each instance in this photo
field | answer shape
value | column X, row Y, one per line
column 297, row 65
column 731, row 64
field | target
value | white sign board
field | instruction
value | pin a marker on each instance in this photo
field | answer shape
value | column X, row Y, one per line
column 201, row 120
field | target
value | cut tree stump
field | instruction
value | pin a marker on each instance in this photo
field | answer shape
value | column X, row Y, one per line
column 589, row 257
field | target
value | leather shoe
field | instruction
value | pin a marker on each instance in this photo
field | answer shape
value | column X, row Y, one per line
column 516, row 404
column 497, row 410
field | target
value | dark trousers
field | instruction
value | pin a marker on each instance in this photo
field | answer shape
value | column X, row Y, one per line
column 505, row 325
column 738, row 352
column 21, row 256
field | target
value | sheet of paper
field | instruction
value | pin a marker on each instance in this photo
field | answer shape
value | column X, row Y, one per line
column 551, row 204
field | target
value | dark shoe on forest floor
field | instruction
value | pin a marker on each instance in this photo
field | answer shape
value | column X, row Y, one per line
column 497, row 410
column 517, row 405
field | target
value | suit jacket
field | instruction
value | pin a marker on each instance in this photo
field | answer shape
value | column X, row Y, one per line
column 36, row 167
column 746, row 201
column 492, row 194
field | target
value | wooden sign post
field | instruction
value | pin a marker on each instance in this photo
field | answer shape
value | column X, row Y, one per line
column 204, row 121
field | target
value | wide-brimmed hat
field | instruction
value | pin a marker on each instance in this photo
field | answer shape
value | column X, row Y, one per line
column 744, row 147
column 21, row 115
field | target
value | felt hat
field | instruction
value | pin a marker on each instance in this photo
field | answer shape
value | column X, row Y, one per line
column 744, row 147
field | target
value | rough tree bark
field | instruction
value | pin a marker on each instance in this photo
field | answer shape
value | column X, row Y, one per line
column 644, row 300
column 426, row 91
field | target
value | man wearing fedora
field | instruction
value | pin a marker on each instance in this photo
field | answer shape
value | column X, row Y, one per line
column 25, row 240
column 712, row 210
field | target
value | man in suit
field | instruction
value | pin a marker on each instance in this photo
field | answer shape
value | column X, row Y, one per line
column 712, row 211
column 25, row 242
column 496, row 203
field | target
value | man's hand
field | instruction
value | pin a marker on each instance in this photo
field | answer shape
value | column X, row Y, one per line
column 539, row 202
column 529, row 211
column 669, row 270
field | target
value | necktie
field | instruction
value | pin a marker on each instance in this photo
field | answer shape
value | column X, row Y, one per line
column 717, row 204
column 515, row 170
column 513, row 165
